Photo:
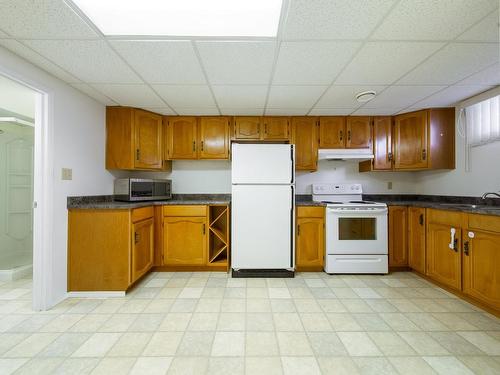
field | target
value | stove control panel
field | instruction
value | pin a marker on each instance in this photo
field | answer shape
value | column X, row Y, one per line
column 337, row 189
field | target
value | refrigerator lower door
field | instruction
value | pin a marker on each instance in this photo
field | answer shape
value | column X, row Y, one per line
column 262, row 222
column 262, row 164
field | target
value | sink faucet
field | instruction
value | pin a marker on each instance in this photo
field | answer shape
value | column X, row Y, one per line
column 485, row 195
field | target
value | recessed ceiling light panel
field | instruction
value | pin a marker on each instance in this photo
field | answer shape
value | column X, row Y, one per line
column 365, row 96
column 226, row 18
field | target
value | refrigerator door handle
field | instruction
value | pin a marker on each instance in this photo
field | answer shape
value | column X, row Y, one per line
column 292, row 227
column 292, row 157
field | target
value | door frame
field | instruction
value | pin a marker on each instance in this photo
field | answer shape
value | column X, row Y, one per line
column 43, row 208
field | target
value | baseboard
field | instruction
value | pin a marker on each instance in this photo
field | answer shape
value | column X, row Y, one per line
column 216, row 268
column 16, row 273
column 103, row 294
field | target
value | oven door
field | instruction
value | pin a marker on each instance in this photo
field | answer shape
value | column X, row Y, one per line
column 361, row 231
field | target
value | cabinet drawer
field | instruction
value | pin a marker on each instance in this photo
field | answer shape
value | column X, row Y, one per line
column 445, row 217
column 185, row 210
column 142, row 213
column 484, row 222
column 310, row 211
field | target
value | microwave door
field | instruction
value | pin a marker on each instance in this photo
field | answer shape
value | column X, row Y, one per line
column 140, row 190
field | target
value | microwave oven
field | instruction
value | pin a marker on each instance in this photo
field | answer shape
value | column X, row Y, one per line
column 142, row 189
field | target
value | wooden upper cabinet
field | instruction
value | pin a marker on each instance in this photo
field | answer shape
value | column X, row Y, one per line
column 148, row 140
column 443, row 255
column 416, row 238
column 411, row 140
column 305, row 138
column 276, row 128
column 182, row 135
column 398, row 236
column 332, row 132
column 214, row 138
column 481, row 260
column 247, row 127
column 359, row 132
column 382, row 143
column 134, row 139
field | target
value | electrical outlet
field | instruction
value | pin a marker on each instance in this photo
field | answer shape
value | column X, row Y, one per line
column 66, row 174
column 389, row 185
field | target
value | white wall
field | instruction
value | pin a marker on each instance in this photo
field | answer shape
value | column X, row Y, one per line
column 78, row 128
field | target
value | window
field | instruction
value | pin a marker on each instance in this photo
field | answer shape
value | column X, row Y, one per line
column 483, row 121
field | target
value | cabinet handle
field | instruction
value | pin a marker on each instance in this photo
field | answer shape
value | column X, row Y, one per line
column 389, row 156
column 453, row 241
column 203, row 229
column 298, row 230
column 424, row 154
column 202, row 145
column 348, row 135
column 421, row 219
column 341, row 135
column 137, row 237
column 194, row 145
column 466, row 248
column 265, row 129
column 137, row 154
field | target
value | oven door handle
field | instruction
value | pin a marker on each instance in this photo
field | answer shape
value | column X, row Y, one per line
column 350, row 212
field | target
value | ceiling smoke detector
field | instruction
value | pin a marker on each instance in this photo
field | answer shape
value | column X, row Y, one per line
column 365, row 96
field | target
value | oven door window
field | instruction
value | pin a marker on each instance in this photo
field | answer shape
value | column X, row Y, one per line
column 357, row 228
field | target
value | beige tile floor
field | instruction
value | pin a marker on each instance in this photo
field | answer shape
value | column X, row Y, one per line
column 209, row 323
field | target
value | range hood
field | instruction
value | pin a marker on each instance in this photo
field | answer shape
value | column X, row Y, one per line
column 345, row 154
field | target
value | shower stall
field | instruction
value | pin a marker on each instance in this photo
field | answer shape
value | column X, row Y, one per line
column 16, row 197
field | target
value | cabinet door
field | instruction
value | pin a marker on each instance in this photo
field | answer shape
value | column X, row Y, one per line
column 481, row 262
column 166, row 164
column 332, row 132
column 182, row 138
column 443, row 263
column 247, row 127
column 276, row 128
column 184, row 240
column 382, row 145
column 359, row 132
column 305, row 138
column 147, row 140
column 310, row 246
column 416, row 238
column 398, row 236
column 142, row 247
column 410, row 140
column 214, row 138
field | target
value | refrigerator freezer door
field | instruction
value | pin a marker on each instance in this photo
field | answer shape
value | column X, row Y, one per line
column 262, row 227
column 262, row 164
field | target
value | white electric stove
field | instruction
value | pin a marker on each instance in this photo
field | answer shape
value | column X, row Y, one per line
column 356, row 230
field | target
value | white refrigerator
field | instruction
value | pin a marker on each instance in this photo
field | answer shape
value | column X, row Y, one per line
column 263, row 209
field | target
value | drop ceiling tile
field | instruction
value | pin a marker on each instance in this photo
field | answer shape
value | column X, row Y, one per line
column 451, row 96
column 331, row 111
column 294, row 96
column 311, row 63
column 242, row 111
column 185, row 95
column 172, row 62
column 38, row 60
column 160, row 110
column 453, row 63
column 484, row 31
column 197, row 111
column 345, row 96
column 92, row 61
column 286, row 111
column 488, row 76
column 130, row 95
column 233, row 96
column 93, row 93
column 401, row 96
column 382, row 63
column 334, row 19
column 47, row 19
column 376, row 111
column 233, row 62
column 431, row 19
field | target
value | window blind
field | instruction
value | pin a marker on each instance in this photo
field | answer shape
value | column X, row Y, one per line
column 483, row 121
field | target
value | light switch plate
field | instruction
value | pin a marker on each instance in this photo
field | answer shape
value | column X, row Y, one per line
column 66, row 174
column 389, row 185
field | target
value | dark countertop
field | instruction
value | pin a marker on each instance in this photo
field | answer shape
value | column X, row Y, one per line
column 489, row 206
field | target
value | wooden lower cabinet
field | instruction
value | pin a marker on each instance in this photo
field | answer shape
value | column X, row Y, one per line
column 481, row 260
column 108, row 250
column 398, row 236
column 310, row 239
column 443, row 247
column 184, row 240
column 416, row 238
